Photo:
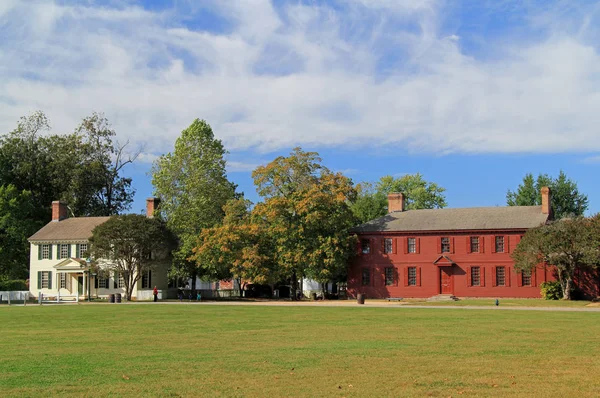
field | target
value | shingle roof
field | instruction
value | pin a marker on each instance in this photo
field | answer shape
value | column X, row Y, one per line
column 473, row 218
column 77, row 228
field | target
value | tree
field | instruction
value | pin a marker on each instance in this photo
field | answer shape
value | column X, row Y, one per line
column 371, row 201
column 130, row 245
column 16, row 225
column 566, row 200
column 238, row 249
column 307, row 216
column 192, row 185
column 568, row 244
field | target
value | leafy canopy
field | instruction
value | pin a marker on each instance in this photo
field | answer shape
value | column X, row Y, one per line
column 371, row 201
column 130, row 245
column 566, row 200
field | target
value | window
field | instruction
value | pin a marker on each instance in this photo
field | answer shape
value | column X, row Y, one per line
column 475, row 276
column 45, row 280
column 146, row 280
column 366, row 277
column 412, row 276
column 365, row 246
column 62, row 280
column 445, row 245
column 474, row 244
column 45, row 252
column 121, row 283
column 499, row 240
column 389, row 276
column 526, row 277
column 412, row 245
column 63, row 251
column 102, row 283
column 388, row 246
column 500, row 276
column 83, row 249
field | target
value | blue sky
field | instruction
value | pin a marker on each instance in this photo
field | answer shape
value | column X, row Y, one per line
column 472, row 94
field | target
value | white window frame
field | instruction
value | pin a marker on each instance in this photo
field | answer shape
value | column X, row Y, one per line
column 412, row 245
column 45, row 279
column 64, row 250
column 121, row 282
column 45, row 252
column 62, row 280
column 102, row 283
column 82, row 248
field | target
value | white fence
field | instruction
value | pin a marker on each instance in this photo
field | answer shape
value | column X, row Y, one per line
column 15, row 297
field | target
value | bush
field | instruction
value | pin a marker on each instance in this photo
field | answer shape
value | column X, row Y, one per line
column 13, row 285
column 551, row 290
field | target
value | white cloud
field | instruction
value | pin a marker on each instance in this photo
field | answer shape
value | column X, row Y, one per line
column 379, row 73
column 235, row 166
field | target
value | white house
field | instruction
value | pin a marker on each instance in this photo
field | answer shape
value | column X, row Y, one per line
column 58, row 260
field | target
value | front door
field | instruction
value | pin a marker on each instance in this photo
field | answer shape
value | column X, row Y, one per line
column 80, row 285
column 446, row 280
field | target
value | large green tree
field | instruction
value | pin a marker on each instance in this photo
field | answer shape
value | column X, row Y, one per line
column 129, row 245
column 566, row 200
column 570, row 244
column 192, row 185
column 371, row 201
column 17, row 223
column 307, row 216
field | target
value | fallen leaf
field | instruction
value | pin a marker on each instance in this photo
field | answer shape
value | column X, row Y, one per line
column 495, row 385
column 461, row 392
column 350, row 385
column 339, row 387
column 125, row 377
column 292, row 369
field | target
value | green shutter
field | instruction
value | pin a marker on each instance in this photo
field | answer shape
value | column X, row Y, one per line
column 39, row 247
column 50, row 252
column 116, row 280
column 39, row 280
column 69, row 251
column 49, row 279
column 96, row 282
column 77, row 251
column 107, row 284
column 149, row 279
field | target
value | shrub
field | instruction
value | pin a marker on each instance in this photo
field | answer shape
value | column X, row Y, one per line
column 551, row 290
column 13, row 285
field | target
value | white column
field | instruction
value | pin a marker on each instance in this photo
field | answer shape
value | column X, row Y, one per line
column 84, row 285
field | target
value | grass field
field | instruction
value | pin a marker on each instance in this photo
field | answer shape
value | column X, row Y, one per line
column 212, row 350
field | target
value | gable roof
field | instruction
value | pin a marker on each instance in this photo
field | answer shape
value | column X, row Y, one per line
column 472, row 218
column 77, row 228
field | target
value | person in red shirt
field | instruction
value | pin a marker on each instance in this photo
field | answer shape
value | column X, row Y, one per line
column 155, row 293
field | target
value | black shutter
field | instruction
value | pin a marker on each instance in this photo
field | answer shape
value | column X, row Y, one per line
column 69, row 251
column 39, row 251
column 77, row 251
column 149, row 279
column 39, row 279
column 49, row 279
column 96, row 282
column 50, row 252
column 115, row 281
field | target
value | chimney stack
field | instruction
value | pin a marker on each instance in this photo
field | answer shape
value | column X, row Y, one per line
column 395, row 202
column 151, row 206
column 59, row 210
column 546, row 201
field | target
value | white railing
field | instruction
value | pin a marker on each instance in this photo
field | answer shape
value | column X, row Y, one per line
column 57, row 299
column 14, row 296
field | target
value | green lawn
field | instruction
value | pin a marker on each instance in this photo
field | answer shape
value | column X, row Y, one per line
column 491, row 302
column 205, row 350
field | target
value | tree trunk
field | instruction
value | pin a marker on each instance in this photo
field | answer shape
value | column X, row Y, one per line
column 194, row 276
column 294, row 287
column 567, row 288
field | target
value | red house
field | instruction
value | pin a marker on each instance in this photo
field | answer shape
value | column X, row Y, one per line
column 457, row 252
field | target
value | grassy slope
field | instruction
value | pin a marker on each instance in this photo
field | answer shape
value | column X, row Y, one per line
column 183, row 350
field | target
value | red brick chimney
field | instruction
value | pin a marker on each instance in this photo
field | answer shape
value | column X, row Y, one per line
column 546, row 201
column 395, row 202
column 151, row 206
column 59, row 210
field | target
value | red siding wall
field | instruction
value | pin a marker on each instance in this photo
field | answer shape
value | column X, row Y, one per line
column 428, row 251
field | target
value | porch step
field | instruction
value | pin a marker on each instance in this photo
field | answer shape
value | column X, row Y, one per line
column 443, row 297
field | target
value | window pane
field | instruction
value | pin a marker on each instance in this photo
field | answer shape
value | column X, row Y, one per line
column 499, row 244
column 82, row 249
column 64, row 251
column 45, row 279
column 475, row 276
column 45, row 251
column 366, row 246
column 500, row 276
column 366, row 277
column 474, row 244
column 412, row 276
column 526, row 275
column 389, row 276
column 412, row 247
column 388, row 246
column 445, row 245
column 63, row 281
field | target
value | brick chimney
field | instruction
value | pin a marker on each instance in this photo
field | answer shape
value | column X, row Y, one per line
column 395, row 202
column 546, row 199
column 59, row 210
column 151, row 206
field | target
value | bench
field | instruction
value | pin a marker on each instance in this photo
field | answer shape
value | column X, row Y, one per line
column 394, row 299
